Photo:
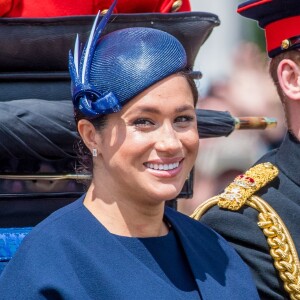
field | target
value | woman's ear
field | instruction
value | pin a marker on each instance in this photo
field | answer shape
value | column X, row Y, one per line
column 288, row 73
column 87, row 132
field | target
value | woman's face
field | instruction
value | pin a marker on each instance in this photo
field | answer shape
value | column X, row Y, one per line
column 147, row 150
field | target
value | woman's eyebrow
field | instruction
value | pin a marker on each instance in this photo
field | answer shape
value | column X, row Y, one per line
column 151, row 109
column 184, row 108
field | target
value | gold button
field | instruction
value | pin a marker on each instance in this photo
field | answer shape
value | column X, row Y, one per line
column 176, row 5
column 104, row 11
column 285, row 44
column 267, row 165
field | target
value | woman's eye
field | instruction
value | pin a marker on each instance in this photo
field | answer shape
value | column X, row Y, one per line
column 184, row 119
column 142, row 122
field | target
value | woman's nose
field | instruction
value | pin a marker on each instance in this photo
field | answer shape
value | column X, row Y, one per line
column 167, row 139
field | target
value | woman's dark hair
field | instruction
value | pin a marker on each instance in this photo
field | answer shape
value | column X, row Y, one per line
column 187, row 74
column 85, row 159
column 84, row 163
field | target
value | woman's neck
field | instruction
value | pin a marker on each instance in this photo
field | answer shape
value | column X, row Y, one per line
column 127, row 218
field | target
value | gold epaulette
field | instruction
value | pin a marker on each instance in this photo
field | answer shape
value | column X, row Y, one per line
column 245, row 185
column 282, row 248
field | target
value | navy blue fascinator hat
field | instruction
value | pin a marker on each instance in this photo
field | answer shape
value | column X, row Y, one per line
column 114, row 68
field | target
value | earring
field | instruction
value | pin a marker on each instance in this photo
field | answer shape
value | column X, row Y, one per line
column 95, row 153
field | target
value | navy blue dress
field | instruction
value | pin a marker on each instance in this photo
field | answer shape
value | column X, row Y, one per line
column 70, row 255
column 165, row 256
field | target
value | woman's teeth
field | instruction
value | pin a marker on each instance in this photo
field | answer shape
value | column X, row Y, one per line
column 164, row 167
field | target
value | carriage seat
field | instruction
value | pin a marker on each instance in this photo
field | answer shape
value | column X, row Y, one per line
column 10, row 240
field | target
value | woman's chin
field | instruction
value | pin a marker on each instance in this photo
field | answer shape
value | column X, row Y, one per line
column 166, row 194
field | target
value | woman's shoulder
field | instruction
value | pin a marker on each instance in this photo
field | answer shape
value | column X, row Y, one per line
column 56, row 224
column 63, row 214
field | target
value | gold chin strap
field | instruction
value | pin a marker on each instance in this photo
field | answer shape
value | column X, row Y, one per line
column 282, row 248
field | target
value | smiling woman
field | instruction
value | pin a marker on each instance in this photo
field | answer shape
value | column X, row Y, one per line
column 119, row 240
column 151, row 144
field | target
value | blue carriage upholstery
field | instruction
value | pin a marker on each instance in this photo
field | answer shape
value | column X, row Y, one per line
column 10, row 240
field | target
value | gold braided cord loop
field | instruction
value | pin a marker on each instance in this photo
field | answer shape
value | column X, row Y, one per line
column 282, row 247
column 203, row 207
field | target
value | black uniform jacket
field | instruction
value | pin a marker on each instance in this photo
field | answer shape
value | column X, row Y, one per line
column 240, row 228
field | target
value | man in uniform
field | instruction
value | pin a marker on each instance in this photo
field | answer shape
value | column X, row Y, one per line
column 259, row 212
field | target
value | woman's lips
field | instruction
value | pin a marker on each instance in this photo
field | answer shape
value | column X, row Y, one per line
column 163, row 169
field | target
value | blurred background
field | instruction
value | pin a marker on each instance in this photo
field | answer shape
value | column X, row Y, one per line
column 235, row 79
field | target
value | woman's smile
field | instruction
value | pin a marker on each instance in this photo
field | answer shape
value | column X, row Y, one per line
column 164, row 169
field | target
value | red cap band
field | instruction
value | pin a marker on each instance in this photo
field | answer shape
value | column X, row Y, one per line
column 280, row 30
column 251, row 5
